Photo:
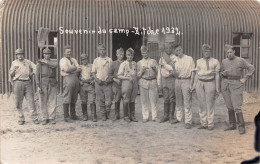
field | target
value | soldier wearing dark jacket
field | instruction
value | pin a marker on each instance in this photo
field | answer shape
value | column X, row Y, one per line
column 232, row 86
column 47, row 86
column 116, row 85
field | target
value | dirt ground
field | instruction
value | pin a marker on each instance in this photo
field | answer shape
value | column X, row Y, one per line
column 121, row 142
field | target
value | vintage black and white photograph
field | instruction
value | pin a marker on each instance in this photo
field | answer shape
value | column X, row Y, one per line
column 129, row 81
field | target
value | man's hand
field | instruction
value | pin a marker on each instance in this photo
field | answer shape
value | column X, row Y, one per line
column 92, row 82
column 81, row 83
column 224, row 73
column 217, row 92
column 191, row 88
column 172, row 64
column 99, row 82
column 160, row 89
column 130, row 78
column 43, row 61
column 153, row 67
column 144, row 68
column 117, row 81
column 73, row 66
column 39, row 90
column 243, row 80
column 31, row 75
column 16, row 68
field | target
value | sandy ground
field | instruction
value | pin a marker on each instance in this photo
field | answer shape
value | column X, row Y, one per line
column 122, row 142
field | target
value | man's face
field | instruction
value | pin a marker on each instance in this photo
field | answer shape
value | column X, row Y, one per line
column 20, row 56
column 120, row 55
column 46, row 56
column 178, row 51
column 230, row 53
column 129, row 56
column 84, row 61
column 67, row 53
column 102, row 51
column 168, row 49
column 206, row 53
column 145, row 54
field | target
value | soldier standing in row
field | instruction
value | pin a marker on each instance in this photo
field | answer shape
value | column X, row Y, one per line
column 103, row 82
column 87, row 89
column 127, row 73
column 47, row 86
column 20, row 77
column 147, row 70
column 232, row 86
column 183, row 84
column 69, row 70
column 166, row 82
column 116, row 86
column 207, row 85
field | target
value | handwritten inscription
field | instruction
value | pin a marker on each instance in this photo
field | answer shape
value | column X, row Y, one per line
column 134, row 30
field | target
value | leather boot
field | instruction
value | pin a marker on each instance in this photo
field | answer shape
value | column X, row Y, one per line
column 132, row 111
column 93, row 112
column 166, row 113
column 117, row 110
column 103, row 113
column 73, row 112
column 232, row 120
column 66, row 112
column 173, row 120
column 241, row 123
column 108, row 112
column 126, row 112
column 84, row 111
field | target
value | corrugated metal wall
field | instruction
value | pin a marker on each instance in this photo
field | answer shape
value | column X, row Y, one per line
column 200, row 22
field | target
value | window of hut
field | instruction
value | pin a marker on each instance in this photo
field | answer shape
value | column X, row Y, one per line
column 241, row 43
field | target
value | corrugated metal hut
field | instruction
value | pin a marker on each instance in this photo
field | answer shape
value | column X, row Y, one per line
column 198, row 22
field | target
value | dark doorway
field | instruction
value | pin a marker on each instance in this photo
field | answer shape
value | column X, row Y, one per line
column 132, row 40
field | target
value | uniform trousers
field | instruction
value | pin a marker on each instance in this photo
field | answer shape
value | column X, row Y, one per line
column 48, row 98
column 149, row 98
column 104, row 95
column 87, row 93
column 117, row 92
column 206, row 94
column 71, row 89
column 24, row 89
column 129, row 90
column 168, row 84
column 232, row 91
column 183, row 99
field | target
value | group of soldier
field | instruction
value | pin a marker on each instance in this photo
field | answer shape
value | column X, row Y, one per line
column 104, row 81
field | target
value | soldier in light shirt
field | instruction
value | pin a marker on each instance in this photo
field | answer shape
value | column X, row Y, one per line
column 87, row 88
column 184, row 67
column 103, row 83
column 207, row 87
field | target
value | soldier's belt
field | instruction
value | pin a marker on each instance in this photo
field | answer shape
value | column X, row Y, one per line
column 148, row 78
column 207, row 80
column 86, row 82
column 232, row 77
column 21, row 80
column 183, row 78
